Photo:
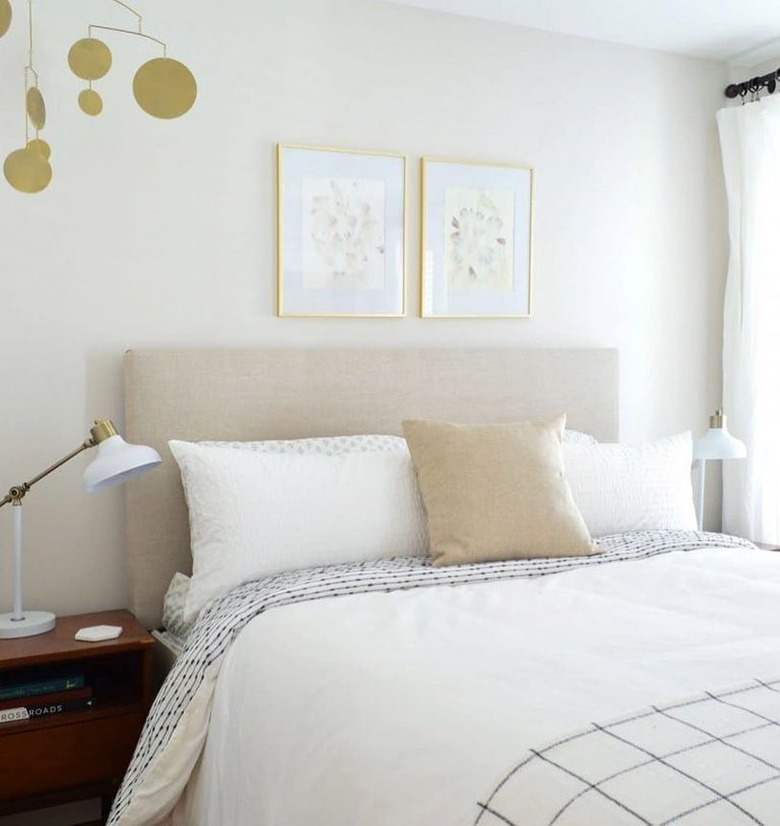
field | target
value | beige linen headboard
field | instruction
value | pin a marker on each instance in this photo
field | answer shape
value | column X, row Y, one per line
column 289, row 394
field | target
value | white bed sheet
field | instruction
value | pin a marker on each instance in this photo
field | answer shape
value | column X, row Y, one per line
column 406, row 708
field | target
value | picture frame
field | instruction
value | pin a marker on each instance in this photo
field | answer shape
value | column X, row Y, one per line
column 341, row 218
column 476, row 235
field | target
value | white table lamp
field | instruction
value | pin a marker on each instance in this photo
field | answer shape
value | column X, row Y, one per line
column 716, row 443
column 116, row 461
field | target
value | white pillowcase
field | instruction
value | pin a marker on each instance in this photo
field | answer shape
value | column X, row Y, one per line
column 174, row 604
column 572, row 437
column 327, row 445
column 621, row 488
column 254, row 513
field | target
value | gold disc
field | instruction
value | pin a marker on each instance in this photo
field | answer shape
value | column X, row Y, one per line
column 89, row 58
column 164, row 88
column 36, row 108
column 90, row 102
column 5, row 16
column 27, row 170
column 41, row 147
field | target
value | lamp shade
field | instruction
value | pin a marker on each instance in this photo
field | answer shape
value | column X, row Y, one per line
column 117, row 461
column 718, row 443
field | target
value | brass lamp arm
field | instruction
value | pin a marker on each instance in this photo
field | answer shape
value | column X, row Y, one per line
column 17, row 492
column 102, row 430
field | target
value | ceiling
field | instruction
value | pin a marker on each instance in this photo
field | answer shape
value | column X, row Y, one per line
column 744, row 32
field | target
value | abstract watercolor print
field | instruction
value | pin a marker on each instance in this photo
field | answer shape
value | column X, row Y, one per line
column 343, row 233
column 479, row 240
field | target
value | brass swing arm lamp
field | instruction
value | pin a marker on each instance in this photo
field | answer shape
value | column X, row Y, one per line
column 116, row 461
column 102, row 429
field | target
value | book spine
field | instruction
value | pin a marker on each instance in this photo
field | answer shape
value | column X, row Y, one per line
column 55, row 697
column 41, row 711
column 45, row 686
column 13, row 715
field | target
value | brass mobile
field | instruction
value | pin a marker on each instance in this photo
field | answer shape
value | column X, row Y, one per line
column 162, row 87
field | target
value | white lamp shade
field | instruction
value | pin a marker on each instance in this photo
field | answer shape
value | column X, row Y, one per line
column 718, row 443
column 117, row 461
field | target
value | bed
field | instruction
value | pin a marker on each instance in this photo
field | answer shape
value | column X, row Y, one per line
column 636, row 683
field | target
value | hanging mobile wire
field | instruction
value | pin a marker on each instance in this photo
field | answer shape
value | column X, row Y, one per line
column 162, row 87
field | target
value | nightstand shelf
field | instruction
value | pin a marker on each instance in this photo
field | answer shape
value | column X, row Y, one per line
column 76, row 754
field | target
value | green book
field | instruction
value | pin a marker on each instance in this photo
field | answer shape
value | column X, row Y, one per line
column 43, row 685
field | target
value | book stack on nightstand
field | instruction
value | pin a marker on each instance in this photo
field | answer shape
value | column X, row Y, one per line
column 39, row 694
column 71, row 712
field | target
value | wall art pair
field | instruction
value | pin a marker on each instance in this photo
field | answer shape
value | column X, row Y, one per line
column 342, row 235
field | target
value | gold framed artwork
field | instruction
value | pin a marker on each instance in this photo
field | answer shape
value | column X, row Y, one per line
column 341, row 227
column 475, row 239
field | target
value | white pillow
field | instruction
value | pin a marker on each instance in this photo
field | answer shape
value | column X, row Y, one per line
column 328, row 445
column 174, row 604
column 620, row 488
column 578, row 437
column 254, row 514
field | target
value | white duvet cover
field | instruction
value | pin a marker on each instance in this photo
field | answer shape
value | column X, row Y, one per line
column 407, row 708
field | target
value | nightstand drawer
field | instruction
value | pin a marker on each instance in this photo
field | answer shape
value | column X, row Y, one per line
column 66, row 756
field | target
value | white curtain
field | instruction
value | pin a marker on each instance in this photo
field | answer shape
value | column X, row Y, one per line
column 750, row 143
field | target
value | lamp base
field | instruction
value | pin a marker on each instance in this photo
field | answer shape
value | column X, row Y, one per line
column 31, row 623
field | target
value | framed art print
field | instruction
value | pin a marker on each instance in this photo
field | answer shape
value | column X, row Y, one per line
column 341, row 232
column 476, row 239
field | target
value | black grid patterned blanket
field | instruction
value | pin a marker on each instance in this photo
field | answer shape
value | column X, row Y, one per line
column 712, row 760
column 221, row 622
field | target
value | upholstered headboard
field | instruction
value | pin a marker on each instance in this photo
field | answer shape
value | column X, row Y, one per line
column 288, row 394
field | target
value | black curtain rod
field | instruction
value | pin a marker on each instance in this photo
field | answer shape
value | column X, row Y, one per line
column 755, row 84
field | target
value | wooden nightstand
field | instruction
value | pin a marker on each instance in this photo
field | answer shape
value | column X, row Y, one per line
column 77, row 754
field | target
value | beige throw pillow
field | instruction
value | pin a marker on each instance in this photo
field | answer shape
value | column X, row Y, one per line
column 494, row 492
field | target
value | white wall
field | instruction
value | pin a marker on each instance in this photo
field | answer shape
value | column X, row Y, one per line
column 162, row 233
